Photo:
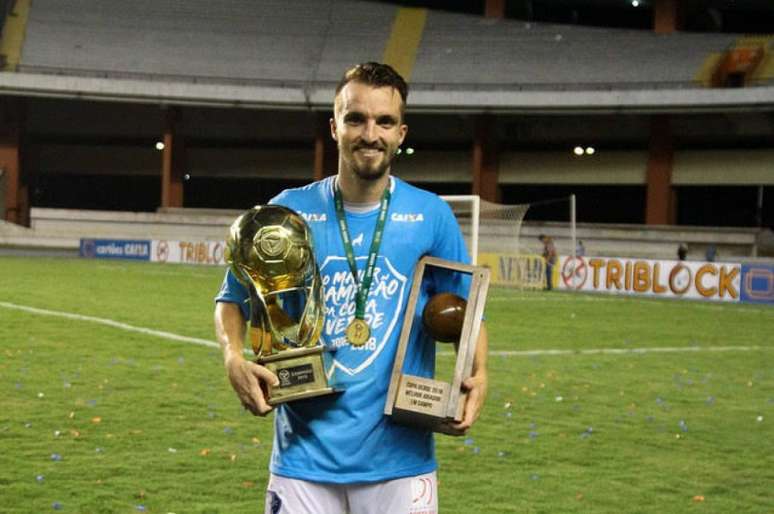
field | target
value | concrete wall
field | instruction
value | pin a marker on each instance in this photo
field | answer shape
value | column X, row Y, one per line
column 62, row 228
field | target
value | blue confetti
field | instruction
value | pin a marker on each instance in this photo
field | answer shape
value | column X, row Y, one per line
column 19, row 385
column 140, row 508
column 228, row 430
column 710, row 400
column 476, row 450
column 40, row 478
column 683, row 426
column 534, row 476
column 56, row 506
column 91, row 403
column 56, row 457
column 533, row 435
column 468, row 441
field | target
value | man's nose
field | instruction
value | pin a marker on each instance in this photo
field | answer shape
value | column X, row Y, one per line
column 369, row 134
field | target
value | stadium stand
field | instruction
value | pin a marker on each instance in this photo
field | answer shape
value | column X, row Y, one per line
column 295, row 44
column 268, row 58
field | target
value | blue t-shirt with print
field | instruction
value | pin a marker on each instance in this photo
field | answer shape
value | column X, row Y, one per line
column 346, row 438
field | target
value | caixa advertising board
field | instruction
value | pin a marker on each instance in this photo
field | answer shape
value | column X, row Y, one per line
column 757, row 285
column 163, row 251
column 710, row 281
column 138, row 250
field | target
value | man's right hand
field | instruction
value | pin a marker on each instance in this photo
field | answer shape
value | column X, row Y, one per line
column 250, row 381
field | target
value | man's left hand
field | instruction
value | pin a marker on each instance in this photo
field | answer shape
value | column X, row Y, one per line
column 475, row 387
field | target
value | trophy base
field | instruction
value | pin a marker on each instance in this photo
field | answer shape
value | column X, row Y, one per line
column 423, row 402
column 301, row 373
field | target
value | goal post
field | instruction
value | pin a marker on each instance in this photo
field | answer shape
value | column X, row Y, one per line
column 493, row 234
column 472, row 213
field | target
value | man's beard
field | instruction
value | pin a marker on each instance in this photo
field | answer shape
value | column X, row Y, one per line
column 371, row 173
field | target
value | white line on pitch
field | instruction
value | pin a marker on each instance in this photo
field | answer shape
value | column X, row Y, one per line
column 112, row 323
column 497, row 353
column 618, row 351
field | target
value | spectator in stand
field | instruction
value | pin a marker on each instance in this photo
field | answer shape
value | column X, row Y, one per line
column 580, row 250
column 712, row 253
column 682, row 251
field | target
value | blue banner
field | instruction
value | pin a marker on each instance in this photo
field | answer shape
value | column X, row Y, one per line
column 139, row 250
column 757, row 284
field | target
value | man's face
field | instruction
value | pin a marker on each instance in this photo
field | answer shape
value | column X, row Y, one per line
column 368, row 128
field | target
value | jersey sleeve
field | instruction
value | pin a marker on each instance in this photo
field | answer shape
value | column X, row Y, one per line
column 449, row 244
column 232, row 291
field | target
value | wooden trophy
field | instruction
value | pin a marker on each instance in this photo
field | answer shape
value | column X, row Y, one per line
column 427, row 402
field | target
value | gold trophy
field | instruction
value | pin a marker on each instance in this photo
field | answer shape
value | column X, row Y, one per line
column 446, row 317
column 269, row 250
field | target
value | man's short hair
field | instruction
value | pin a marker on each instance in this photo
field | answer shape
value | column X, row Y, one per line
column 377, row 75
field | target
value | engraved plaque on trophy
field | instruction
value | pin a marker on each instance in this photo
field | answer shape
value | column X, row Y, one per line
column 446, row 317
column 269, row 250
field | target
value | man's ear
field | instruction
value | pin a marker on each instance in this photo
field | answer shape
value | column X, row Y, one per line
column 403, row 133
column 333, row 128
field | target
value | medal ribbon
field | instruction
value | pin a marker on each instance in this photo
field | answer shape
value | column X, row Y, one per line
column 364, row 286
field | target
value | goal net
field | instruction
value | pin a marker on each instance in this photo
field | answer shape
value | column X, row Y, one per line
column 492, row 232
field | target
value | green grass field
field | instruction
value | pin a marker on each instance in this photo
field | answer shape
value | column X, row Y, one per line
column 99, row 419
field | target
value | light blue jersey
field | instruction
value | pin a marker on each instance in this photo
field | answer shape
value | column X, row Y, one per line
column 346, row 438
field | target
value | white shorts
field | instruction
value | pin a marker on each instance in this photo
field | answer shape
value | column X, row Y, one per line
column 409, row 495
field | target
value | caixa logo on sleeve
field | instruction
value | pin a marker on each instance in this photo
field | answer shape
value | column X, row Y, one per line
column 139, row 250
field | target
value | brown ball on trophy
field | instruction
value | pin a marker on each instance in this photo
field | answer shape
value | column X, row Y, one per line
column 443, row 316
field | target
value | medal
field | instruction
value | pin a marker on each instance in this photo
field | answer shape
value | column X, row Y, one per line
column 358, row 332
